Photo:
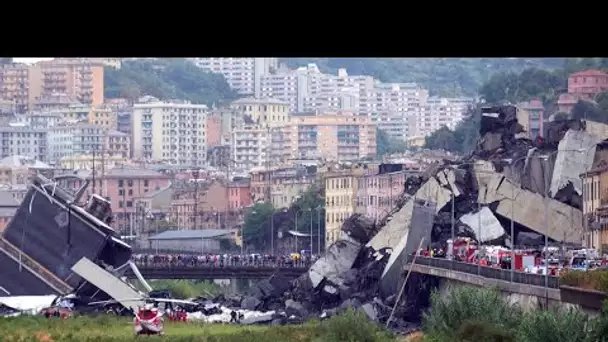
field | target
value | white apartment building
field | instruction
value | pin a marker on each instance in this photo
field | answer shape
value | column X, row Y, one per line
column 306, row 89
column 170, row 132
column 23, row 141
column 244, row 75
column 392, row 106
column 437, row 112
column 251, row 147
column 71, row 140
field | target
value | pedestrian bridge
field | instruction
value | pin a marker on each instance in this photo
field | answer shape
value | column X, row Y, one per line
column 215, row 272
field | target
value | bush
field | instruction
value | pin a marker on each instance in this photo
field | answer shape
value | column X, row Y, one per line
column 480, row 307
column 553, row 325
column 591, row 280
column 352, row 326
column 598, row 327
column 472, row 331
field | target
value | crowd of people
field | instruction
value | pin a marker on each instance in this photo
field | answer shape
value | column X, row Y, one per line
column 223, row 260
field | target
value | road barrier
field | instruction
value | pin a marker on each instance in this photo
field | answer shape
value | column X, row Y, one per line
column 488, row 272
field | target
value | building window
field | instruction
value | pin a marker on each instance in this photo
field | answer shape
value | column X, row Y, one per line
column 130, row 192
column 130, row 182
column 129, row 204
column 146, row 183
column 121, row 183
column 121, row 204
column 121, row 192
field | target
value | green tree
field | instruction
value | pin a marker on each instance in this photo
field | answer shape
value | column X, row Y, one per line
column 256, row 228
column 385, row 144
column 167, row 79
column 442, row 76
column 561, row 116
column 586, row 110
column 462, row 139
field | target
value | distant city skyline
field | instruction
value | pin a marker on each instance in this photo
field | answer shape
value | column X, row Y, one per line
column 31, row 60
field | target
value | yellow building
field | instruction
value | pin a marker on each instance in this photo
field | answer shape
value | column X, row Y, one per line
column 103, row 116
column 416, row 141
column 263, row 112
column 340, row 200
column 595, row 207
column 339, row 136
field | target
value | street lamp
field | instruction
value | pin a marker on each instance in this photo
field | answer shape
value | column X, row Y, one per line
column 318, row 209
column 272, row 230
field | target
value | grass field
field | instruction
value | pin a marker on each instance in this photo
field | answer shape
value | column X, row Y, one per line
column 351, row 327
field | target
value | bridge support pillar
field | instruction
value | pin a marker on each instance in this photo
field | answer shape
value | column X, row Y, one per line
column 234, row 285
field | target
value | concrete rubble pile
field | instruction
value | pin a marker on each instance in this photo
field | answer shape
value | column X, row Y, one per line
column 508, row 177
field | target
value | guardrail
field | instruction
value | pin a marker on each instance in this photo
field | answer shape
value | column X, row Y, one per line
column 216, row 272
column 488, row 272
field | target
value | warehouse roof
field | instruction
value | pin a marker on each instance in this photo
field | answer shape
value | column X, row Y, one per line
column 192, row 234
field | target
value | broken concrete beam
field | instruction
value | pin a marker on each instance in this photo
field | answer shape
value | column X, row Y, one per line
column 482, row 172
column 597, row 129
column 338, row 259
column 564, row 221
column 390, row 235
column 484, row 224
column 420, row 227
column 575, row 156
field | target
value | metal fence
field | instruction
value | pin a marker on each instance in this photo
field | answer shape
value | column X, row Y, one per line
column 488, row 272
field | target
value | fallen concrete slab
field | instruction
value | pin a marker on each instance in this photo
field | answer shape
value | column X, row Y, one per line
column 420, row 227
column 575, row 156
column 337, row 260
column 484, row 224
column 564, row 223
column 390, row 235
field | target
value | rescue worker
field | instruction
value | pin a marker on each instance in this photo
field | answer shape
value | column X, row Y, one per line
column 233, row 317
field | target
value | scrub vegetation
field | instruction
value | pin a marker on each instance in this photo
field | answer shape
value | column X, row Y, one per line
column 471, row 314
column 350, row 327
column 593, row 280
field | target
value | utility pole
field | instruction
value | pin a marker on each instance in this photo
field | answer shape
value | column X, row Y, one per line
column 268, row 173
column 94, row 148
column 103, row 168
column 311, row 251
column 195, row 174
column 318, row 230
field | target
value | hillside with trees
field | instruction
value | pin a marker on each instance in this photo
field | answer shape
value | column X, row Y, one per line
column 442, row 76
column 167, row 79
column 511, row 87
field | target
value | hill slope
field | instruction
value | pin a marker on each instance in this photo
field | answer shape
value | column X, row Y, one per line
column 167, row 79
column 442, row 76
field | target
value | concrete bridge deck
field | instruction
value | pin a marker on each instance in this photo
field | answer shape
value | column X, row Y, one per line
column 225, row 272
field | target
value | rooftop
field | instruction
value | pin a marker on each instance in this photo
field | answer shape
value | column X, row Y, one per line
column 23, row 161
column 192, row 234
column 253, row 100
column 590, row 72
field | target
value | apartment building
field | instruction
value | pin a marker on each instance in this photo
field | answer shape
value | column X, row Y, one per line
column 536, row 111
column 378, row 192
column 118, row 144
column 214, row 130
column 584, row 85
column 38, row 120
column 79, row 78
column 17, row 170
column 306, row 89
column 239, row 196
column 23, row 141
column 595, row 207
column 123, row 186
column 56, row 101
column 281, row 186
column 77, row 139
column 98, row 161
column 251, row 147
column 337, row 136
column 15, row 81
column 242, row 74
column 103, row 116
column 266, row 112
column 437, row 112
column 393, row 106
column 202, row 208
column 340, row 199
column 171, row 132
